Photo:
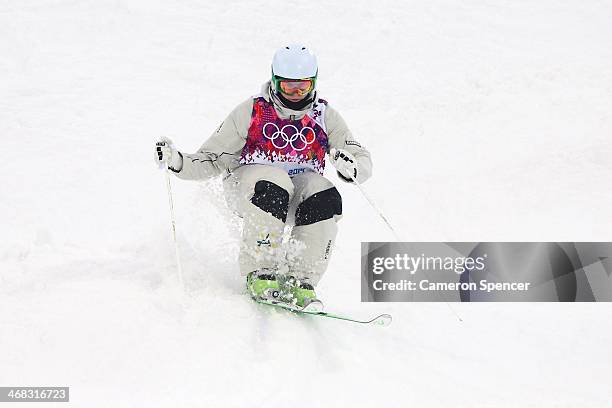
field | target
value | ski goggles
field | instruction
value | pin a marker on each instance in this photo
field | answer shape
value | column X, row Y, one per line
column 299, row 87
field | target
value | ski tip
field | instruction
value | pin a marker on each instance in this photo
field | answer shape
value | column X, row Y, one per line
column 382, row 320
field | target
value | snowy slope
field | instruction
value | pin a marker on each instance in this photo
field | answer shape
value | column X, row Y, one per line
column 487, row 121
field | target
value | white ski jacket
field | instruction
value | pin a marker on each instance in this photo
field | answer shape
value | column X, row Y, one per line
column 221, row 152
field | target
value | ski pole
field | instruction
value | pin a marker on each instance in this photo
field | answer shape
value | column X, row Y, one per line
column 382, row 216
column 373, row 205
column 173, row 225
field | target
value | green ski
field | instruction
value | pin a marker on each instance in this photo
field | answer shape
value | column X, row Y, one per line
column 380, row 320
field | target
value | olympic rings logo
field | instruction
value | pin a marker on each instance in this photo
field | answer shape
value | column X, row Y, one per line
column 305, row 137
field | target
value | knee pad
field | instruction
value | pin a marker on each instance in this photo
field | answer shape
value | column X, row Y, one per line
column 318, row 207
column 272, row 199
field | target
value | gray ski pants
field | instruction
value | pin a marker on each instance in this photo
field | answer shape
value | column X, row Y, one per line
column 268, row 199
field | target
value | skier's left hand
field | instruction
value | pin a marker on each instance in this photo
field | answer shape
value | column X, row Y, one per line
column 345, row 163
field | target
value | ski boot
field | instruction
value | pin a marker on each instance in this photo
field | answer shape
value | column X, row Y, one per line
column 263, row 285
column 300, row 294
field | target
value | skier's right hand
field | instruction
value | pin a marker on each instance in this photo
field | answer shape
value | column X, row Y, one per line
column 166, row 153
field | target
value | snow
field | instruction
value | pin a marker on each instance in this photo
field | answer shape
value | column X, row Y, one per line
column 487, row 121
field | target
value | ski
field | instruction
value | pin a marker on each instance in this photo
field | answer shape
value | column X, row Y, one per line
column 380, row 320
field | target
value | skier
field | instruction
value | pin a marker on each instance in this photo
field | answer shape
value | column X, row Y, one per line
column 271, row 151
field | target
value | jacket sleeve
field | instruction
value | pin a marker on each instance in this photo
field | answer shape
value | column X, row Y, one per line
column 221, row 151
column 340, row 137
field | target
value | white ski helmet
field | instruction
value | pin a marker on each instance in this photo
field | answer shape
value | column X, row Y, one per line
column 295, row 61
